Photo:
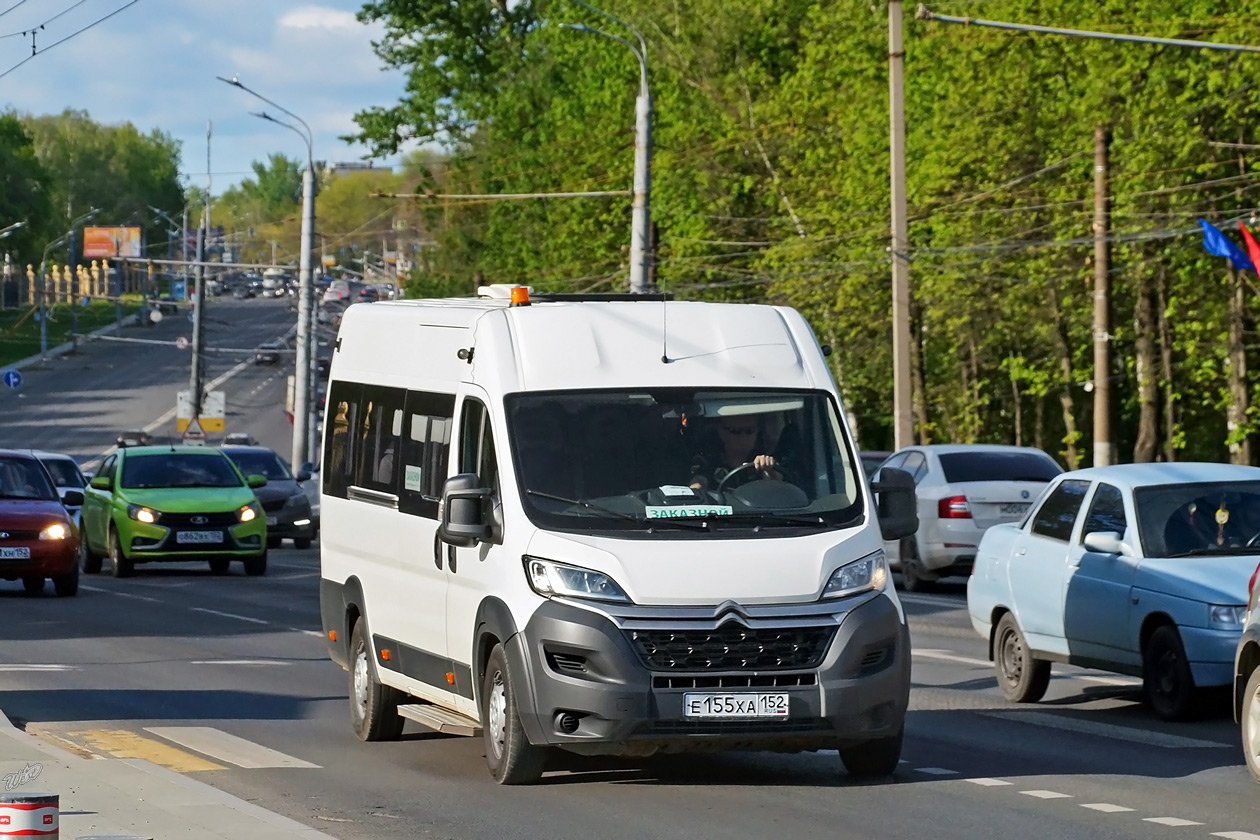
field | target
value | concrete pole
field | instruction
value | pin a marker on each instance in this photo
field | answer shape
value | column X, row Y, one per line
column 1102, row 304
column 641, row 223
column 8, row 278
column 197, row 375
column 302, row 413
column 903, row 407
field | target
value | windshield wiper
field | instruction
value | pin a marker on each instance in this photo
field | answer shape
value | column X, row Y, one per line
column 692, row 526
column 1224, row 550
column 768, row 518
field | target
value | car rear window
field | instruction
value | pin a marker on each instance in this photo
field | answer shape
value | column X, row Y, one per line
column 963, row 467
column 64, row 473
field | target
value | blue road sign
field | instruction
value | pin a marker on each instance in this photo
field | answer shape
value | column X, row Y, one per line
column 12, row 378
column 85, row 301
column 178, row 289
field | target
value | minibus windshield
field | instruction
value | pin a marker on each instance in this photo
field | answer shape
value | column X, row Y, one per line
column 722, row 460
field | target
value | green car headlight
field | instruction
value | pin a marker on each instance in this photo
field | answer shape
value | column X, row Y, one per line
column 143, row 514
column 247, row 513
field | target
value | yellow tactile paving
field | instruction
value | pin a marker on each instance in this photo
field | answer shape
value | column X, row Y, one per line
column 119, row 743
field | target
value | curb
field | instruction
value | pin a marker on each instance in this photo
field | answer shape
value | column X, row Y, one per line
column 63, row 349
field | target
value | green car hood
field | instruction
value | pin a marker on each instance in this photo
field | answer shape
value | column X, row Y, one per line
column 189, row 499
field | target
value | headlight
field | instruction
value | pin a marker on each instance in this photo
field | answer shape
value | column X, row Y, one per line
column 550, row 579
column 143, row 514
column 1228, row 617
column 247, row 513
column 869, row 573
column 54, row 532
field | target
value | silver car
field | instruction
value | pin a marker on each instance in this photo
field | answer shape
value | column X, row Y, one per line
column 963, row 490
column 66, row 475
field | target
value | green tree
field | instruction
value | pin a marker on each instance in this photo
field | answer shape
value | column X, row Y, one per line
column 24, row 185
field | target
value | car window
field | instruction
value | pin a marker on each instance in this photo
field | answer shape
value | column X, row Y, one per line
column 178, row 469
column 23, row 478
column 64, row 473
column 916, row 465
column 1057, row 514
column 1106, row 512
column 963, row 467
column 107, row 468
column 265, row 463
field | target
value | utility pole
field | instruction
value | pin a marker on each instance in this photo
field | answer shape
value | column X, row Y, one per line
column 903, row 406
column 199, row 298
column 303, row 382
column 1102, row 303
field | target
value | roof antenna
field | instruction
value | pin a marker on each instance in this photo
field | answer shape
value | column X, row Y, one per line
column 664, row 332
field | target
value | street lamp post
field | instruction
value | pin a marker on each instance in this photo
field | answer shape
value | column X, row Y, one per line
column 67, row 237
column 641, row 220
column 304, row 442
column 5, row 233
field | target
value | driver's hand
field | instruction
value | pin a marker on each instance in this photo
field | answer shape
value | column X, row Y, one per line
column 764, row 464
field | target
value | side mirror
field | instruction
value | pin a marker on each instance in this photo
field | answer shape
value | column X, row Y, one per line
column 72, row 498
column 256, row 481
column 101, row 482
column 897, row 507
column 462, row 515
column 1105, row 542
column 308, row 467
column 302, row 475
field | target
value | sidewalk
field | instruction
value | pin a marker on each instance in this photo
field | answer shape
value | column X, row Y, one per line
column 131, row 799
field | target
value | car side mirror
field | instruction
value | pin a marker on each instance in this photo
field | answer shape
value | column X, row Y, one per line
column 308, row 467
column 101, row 482
column 462, row 515
column 72, row 498
column 302, row 475
column 256, row 481
column 897, row 507
column 1105, row 542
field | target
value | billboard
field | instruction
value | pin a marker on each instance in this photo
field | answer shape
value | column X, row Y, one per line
column 111, row 242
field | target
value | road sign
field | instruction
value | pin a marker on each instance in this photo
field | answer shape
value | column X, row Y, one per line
column 212, row 416
column 193, row 434
column 182, row 342
column 12, row 378
column 85, row 301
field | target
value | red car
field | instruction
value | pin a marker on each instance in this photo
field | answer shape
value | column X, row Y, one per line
column 38, row 539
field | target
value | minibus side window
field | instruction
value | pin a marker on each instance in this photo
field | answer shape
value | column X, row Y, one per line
column 377, row 438
column 477, row 445
column 343, row 415
column 426, row 445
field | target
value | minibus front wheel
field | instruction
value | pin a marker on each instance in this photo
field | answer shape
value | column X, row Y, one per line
column 512, row 759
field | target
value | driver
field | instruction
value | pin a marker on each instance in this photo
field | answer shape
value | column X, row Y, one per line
column 739, row 440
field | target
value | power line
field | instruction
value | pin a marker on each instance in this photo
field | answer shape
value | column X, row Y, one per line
column 63, row 12
column 11, row 8
column 94, row 23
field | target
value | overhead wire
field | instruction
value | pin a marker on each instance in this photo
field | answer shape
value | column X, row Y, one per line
column 77, row 32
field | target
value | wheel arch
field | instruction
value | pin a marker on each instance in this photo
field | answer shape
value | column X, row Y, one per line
column 1152, row 622
column 1247, row 662
column 994, row 618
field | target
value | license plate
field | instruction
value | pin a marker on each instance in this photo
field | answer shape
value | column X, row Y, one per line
column 199, row 537
column 735, row 705
column 23, row 553
column 1015, row 509
column 271, row 520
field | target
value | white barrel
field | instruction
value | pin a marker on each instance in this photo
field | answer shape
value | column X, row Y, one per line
column 29, row 814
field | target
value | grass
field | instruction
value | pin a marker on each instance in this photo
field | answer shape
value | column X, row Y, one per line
column 20, row 329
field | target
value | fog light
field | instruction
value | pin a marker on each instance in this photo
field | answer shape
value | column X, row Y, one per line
column 567, row 722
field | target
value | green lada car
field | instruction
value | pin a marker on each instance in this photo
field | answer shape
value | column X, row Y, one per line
column 173, row 503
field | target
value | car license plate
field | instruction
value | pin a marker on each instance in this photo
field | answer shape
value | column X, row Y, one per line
column 735, row 705
column 1014, row 509
column 199, row 537
column 22, row 553
column 271, row 520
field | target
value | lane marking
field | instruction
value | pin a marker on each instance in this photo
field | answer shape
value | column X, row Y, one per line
column 268, row 662
column 933, row 600
column 1106, row 807
column 229, row 615
column 1046, row 794
column 121, row 594
column 1171, row 821
column 226, row 747
column 936, row 771
column 1106, row 730
column 947, row 656
column 1237, row 835
column 1106, row 680
column 123, row 744
column 19, row 666
column 989, row 782
column 317, row 634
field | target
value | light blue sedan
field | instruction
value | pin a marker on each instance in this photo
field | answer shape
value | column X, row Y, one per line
column 1139, row 569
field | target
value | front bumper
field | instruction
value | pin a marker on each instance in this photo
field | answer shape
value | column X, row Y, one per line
column 858, row 692
column 48, row 558
column 143, row 542
column 283, row 521
column 1211, row 653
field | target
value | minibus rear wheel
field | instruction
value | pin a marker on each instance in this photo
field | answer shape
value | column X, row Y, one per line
column 373, row 707
column 512, row 759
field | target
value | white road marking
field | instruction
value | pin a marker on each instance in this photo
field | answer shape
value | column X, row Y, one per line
column 1171, row 821
column 296, row 577
column 1237, row 835
column 1106, row 807
column 24, row 667
column 1046, row 794
column 1105, row 730
column 220, row 745
column 936, row 771
column 230, row 615
column 317, row 634
column 1107, row 680
column 989, row 782
column 947, row 656
column 239, row 662
column 932, row 600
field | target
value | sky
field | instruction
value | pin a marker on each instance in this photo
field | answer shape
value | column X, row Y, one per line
column 154, row 64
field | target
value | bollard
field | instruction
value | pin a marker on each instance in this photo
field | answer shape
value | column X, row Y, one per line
column 29, row 814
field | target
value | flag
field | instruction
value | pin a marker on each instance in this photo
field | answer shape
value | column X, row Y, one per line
column 1219, row 244
column 1253, row 248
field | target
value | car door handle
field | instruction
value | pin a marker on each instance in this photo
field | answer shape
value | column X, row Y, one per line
column 450, row 558
column 1021, row 552
column 437, row 551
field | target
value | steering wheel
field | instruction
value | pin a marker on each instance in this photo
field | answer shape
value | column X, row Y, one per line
column 748, row 465
column 1254, row 541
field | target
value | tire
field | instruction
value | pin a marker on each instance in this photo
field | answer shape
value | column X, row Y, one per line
column 1166, row 677
column 873, row 759
column 913, row 578
column 120, row 565
column 34, row 585
column 301, row 543
column 274, row 542
column 373, row 707
column 67, row 585
column 89, row 559
column 1250, row 719
column 512, row 759
column 256, row 566
column 1021, row 678
column 220, row 565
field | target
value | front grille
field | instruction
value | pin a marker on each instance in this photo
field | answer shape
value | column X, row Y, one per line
column 737, row 681
column 273, row 506
column 185, row 520
column 18, row 536
column 567, row 662
column 732, row 648
column 734, row 727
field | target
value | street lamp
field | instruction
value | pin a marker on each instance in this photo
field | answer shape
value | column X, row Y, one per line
column 641, row 220
column 304, row 442
column 5, row 233
column 67, row 237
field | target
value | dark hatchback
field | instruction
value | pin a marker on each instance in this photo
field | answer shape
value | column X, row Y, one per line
column 283, row 500
column 38, row 538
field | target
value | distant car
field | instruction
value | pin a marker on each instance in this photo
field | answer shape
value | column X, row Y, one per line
column 270, row 353
column 311, row 486
column 962, row 490
column 323, row 365
column 132, row 438
column 167, row 305
column 38, row 538
column 67, row 478
column 369, row 294
column 284, row 501
column 871, row 461
column 243, row 291
column 1137, row 568
column 239, row 439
